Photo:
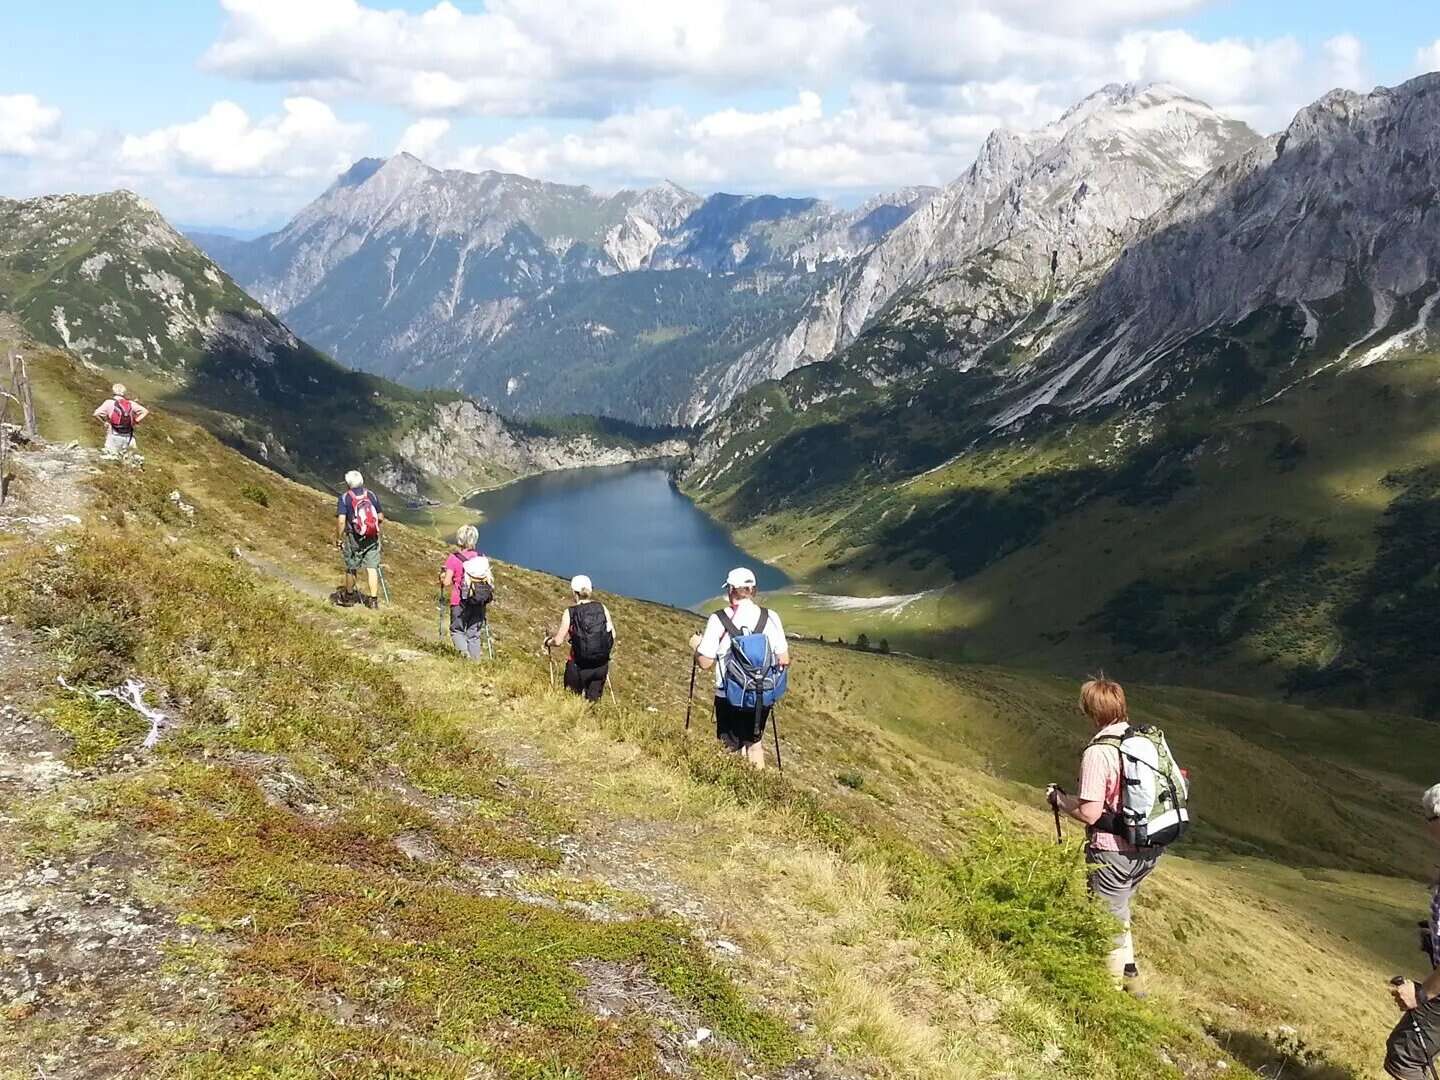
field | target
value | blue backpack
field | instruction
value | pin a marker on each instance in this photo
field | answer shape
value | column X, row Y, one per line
column 752, row 679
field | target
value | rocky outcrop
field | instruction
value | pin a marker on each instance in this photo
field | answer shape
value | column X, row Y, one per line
column 1334, row 220
column 462, row 437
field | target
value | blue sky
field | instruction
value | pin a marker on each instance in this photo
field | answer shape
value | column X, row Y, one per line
column 237, row 112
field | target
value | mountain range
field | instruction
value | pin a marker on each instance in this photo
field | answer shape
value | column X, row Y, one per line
column 1208, row 454
column 107, row 279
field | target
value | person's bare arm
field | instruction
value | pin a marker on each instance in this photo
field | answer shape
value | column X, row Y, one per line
column 140, row 411
column 447, row 577
column 562, row 631
column 1405, row 995
column 1087, row 812
column 339, row 528
column 102, row 414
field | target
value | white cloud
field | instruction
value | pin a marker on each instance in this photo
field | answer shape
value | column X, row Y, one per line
column 1428, row 58
column 307, row 139
column 26, row 125
column 422, row 137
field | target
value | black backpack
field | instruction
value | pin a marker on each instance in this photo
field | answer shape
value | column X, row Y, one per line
column 476, row 593
column 590, row 640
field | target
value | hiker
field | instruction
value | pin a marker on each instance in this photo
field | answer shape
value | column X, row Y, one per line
column 740, row 728
column 587, row 627
column 1411, row 1046
column 121, row 417
column 1117, row 865
column 471, row 584
column 358, row 519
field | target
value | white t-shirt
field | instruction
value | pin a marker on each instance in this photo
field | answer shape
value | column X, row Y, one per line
column 715, row 642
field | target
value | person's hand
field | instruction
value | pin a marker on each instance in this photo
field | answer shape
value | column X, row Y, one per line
column 694, row 642
column 1052, row 795
column 1404, row 994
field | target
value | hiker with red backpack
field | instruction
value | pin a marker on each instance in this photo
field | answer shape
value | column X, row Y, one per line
column 587, row 628
column 745, row 644
column 358, row 519
column 121, row 416
column 468, row 579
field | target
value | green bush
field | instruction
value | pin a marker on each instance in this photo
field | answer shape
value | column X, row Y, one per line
column 255, row 493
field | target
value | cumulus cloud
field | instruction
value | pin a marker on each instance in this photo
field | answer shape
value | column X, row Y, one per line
column 305, row 139
column 26, row 125
column 422, row 137
column 1428, row 58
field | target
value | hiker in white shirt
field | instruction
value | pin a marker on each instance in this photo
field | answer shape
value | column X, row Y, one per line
column 738, row 729
column 120, row 416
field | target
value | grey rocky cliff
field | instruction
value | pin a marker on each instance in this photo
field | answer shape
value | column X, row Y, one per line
column 1334, row 221
column 461, row 434
column 1033, row 220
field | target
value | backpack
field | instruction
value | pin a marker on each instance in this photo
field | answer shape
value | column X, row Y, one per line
column 751, row 678
column 1153, row 791
column 591, row 641
column 364, row 520
column 122, row 417
column 475, row 587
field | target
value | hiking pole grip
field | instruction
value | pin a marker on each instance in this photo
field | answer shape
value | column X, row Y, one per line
column 1055, row 791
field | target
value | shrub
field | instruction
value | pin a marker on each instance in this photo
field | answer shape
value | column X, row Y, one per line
column 255, row 493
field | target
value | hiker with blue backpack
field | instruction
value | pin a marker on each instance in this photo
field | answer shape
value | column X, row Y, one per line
column 1132, row 800
column 358, row 520
column 467, row 577
column 745, row 644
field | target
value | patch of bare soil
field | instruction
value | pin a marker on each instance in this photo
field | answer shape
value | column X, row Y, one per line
column 48, row 490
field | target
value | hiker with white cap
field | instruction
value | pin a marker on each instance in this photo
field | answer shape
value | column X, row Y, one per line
column 468, row 578
column 587, row 627
column 121, row 416
column 749, row 643
column 358, row 519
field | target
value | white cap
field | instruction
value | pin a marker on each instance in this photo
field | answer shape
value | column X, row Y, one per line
column 354, row 479
column 118, row 389
column 580, row 584
column 740, row 578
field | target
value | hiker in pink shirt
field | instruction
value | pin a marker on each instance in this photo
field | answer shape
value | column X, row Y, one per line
column 1117, row 867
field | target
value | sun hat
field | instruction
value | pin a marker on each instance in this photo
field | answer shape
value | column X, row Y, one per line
column 740, row 578
column 580, row 584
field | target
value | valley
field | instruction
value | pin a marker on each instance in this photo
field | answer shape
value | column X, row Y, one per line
column 1141, row 391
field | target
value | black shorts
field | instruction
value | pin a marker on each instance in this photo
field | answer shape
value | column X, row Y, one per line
column 589, row 681
column 1408, row 1052
column 737, row 727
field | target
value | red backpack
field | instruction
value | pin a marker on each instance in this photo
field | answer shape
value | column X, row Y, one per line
column 364, row 521
column 122, row 417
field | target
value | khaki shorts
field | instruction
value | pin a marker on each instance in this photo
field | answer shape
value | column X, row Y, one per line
column 359, row 554
column 1114, row 877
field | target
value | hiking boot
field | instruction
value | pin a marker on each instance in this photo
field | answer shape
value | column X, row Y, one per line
column 372, row 602
column 1133, row 984
column 342, row 598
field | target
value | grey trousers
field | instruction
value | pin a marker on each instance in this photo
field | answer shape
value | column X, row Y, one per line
column 1114, row 878
column 467, row 629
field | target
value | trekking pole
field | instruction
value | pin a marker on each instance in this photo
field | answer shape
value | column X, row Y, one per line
column 384, row 588
column 550, row 658
column 690, row 701
column 775, row 728
column 440, row 609
column 1399, row 980
column 1055, row 807
column 614, row 698
column 489, row 640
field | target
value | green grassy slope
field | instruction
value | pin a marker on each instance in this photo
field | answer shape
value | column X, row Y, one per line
column 903, row 912
column 1217, row 542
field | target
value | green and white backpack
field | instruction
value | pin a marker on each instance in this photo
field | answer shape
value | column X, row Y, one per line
column 1154, row 792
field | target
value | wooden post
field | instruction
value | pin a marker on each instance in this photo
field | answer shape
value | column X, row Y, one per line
column 27, row 398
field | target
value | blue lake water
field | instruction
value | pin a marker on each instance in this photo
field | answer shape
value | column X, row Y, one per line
column 626, row 526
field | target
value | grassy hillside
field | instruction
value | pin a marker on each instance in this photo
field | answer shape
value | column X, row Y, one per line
column 354, row 855
column 1275, row 546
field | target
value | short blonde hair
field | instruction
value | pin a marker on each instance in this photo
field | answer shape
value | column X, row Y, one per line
column 118, row 389
column 467, row 536
column 1103, row 700
column 1430, row 802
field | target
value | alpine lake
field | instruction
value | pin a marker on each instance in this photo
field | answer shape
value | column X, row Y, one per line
column 626, row 526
